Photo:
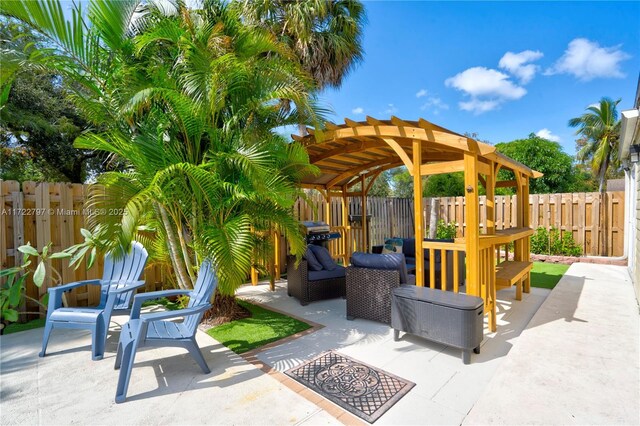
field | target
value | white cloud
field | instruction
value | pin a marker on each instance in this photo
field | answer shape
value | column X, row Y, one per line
column 586, row 60
column 481, row 81
column 421, row 93
column 357, row 110
column 477, row 106
column 435, row 104
column 487, row 89
column 391, row 109
column 517, row 64
column 546, row 134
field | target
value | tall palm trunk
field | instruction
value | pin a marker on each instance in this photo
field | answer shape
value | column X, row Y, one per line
column 175, row 252
column 604, row 222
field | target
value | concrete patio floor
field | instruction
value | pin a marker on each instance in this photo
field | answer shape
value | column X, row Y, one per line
column 578, row 361
column 574, row 330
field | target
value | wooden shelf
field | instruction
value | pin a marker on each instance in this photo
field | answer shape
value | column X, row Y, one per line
column 510, row 272
column 505, row 236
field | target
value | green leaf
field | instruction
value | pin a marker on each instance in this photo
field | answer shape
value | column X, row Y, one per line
column 10, row 271
column 61, row 255
column 45, row 299
column 75, row 259
column 14, row 293
column 86, row 234
column 45, row 251
column 38, row 275
column 92, row 258
column 10, row 315
column 27, row 249
column 25, row 264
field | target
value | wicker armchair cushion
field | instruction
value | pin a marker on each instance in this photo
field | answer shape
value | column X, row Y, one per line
column 339, row 272
column 324, row 257
column 314, row 265
column 389, row 261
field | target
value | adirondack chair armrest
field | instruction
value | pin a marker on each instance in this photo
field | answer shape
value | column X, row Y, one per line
column 71, row 286
column 55, row 293
column 138, row 299
column 129, row 287
column 159, row 316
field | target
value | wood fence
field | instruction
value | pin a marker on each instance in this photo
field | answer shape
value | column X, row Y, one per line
column 578, row 213
column 43, row 212
column 54, row 212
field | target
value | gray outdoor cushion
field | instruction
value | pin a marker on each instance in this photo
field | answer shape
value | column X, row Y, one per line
column 314, row 265
column 325, row 275
column 393, row 261
column 324, row 257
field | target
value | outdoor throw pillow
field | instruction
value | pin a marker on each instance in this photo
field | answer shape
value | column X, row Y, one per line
column 324, row 257
column 392, row 245
column 313, row 263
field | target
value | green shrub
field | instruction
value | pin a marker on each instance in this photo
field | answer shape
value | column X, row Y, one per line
column 540, row 241
column 445, row 231
column 554, row 242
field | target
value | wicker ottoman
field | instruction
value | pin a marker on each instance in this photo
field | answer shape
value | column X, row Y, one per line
column 453, row 319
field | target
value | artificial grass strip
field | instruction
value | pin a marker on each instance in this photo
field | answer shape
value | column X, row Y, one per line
column 264, row 326
column 547, row 275
column 16, row 327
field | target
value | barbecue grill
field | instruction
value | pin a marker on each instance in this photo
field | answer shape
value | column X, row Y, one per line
column 318, row 232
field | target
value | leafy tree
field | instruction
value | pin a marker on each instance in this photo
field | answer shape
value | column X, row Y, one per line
column 544, row 156
column 599, row 128
column 39, row 122
column 380, row 187
column 401, row 183
column 188, row 100
column 324, row 35
column 444, row 185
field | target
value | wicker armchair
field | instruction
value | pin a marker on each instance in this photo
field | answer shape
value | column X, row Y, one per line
column 369, row 293
column 371, row 279
column 305, row 290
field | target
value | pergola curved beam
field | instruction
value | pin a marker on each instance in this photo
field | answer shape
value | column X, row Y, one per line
column 356, row 170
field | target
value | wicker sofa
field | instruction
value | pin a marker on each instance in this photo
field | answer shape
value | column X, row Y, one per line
column 309, row 286
column 370, row 281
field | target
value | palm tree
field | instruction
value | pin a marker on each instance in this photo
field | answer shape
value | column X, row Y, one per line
column 325, row 35
column 188, row 100
column 599, row 129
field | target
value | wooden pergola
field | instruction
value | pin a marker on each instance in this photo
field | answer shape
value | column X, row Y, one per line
column 357, row 152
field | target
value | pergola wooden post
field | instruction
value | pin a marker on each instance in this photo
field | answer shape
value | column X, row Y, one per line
column 417, row 210
column 351, row 153
column 472, row 221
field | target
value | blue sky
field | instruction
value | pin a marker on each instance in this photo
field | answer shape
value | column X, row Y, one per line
column 449, row 63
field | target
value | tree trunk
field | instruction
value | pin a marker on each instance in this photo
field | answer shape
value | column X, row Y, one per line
column 224, row 309
column 183, row 279
column 604, row 225
column 302, row 128
column 433, row 217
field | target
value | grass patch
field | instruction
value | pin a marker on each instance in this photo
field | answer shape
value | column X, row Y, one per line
column 264, row 326
column 547, row 275
column 171, row 306
column 16, row 327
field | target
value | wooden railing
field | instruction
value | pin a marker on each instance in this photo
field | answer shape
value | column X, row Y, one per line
column 442, row 247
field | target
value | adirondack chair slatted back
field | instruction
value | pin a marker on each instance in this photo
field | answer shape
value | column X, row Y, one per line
column 121, row 271
column 203, row 290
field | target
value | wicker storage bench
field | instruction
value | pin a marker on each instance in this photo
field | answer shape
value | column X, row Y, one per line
column 454, row 319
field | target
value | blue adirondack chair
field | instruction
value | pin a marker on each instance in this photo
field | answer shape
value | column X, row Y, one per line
column 120, row 279
column 157, row 329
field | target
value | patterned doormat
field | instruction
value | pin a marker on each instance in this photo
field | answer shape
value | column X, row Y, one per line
column 359, row 388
